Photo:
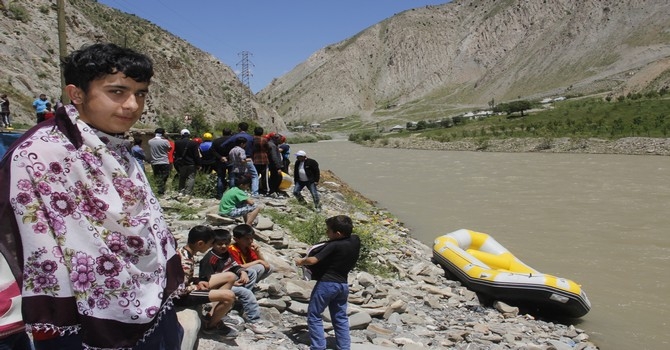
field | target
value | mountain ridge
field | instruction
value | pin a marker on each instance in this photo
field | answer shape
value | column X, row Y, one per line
column 187, row 80
column 434, row 60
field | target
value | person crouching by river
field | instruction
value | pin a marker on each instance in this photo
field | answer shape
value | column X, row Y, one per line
column 330, row 265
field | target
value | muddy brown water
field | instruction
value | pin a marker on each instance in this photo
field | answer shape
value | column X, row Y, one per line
column 600, row 220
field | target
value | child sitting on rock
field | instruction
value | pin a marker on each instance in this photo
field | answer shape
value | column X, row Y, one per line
column 217, row 288
column 235, row 202
column 248, row 254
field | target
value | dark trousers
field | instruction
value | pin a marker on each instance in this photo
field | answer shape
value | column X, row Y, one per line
column 18, row 341
column 186, row 179
column 275, row 179
column 40, row 117
column 262, row 170
column 161, row 175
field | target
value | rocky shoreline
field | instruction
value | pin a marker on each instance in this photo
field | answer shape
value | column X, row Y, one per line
column 416, row 308
column 627, row 145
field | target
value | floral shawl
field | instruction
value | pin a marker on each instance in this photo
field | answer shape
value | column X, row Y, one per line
column 89, row 235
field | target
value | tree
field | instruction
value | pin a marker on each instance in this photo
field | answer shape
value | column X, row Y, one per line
column 518, row 106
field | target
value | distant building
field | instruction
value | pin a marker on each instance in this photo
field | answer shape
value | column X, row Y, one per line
column 397, row 128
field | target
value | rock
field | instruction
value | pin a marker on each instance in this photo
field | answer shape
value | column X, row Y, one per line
column 509, row 311
column 190, row 321
column 359, row 320
column 218, row 220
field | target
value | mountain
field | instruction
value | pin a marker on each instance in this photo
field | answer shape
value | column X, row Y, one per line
column 186, row 81
column 435, row 61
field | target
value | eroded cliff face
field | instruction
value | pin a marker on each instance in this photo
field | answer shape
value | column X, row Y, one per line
column 186, row 78
column 427, row 61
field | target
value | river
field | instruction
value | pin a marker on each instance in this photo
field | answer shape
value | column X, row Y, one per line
column 600, row 220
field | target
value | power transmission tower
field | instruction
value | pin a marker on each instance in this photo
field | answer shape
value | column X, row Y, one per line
column 244, row 75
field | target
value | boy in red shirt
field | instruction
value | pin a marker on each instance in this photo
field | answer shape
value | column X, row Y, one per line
column 248, row 254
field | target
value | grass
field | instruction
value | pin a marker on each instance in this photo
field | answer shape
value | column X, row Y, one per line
column 631, row 116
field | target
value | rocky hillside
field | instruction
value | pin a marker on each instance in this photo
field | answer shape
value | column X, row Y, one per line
column 187, row 79
column 439, row 60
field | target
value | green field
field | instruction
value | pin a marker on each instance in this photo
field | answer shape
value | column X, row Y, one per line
column 578, row 118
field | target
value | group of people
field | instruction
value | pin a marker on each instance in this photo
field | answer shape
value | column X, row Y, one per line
column 45, row 109
column 88, row 259
column 227, row 273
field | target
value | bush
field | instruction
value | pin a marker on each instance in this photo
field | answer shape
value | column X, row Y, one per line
column 205, row 185
column 311, row 229
column 19, row 13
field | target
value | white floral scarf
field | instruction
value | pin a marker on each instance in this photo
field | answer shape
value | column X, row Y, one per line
column 98, row 257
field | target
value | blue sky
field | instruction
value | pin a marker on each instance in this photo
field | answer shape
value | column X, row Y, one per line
column 278, row 34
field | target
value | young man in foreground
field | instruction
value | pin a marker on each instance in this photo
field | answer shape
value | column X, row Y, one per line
column 100, row 268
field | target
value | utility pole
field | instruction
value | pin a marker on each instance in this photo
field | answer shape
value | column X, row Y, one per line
column 244, row 75
column 62, row 47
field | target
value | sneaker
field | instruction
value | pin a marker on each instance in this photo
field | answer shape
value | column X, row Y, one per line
column 222, row 331
column 258, row 328
column 232, row 320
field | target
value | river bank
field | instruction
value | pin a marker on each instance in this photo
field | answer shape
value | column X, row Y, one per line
column 627, row 145
column 415, row 308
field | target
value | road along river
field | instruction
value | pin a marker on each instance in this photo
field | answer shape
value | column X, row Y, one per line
column 600, row 220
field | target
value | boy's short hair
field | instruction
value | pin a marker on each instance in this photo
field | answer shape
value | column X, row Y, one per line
column 242, row 179
column 95, row 61
column 200, row 233
column 243, row 230
column 340, row 223
column 240, row 141
column 221, row 235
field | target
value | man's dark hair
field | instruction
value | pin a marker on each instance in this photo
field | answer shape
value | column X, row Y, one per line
column 221, row 235
column 340, row 223
column 258, row 131
column 242, row 230
column 227, row 132
column 200, row 233
column 95, row 61
column 243, row 126
column 138, row 141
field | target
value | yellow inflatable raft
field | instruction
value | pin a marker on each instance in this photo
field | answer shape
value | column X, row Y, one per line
column 484, row 266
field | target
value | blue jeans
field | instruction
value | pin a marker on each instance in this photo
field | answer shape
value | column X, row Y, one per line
column 257, row 273
column 312, row 189
column 254, row 177
column 334, row 296
column 249, row 303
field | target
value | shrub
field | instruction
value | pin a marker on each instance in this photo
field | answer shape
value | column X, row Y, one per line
column 205, row 185
column 19, row 13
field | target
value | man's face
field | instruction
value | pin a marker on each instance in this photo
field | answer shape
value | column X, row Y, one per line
column 113, row 104
column 43, row 97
